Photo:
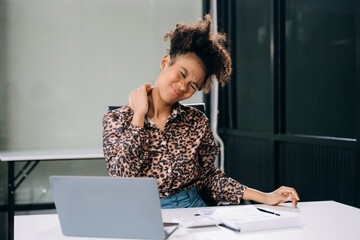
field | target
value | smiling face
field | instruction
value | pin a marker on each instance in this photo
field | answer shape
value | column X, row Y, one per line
column 179, row 78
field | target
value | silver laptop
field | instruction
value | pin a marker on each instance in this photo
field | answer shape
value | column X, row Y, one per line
column 109, row 207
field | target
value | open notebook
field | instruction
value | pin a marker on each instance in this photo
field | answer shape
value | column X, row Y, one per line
column 109, row 207
column 250, row 218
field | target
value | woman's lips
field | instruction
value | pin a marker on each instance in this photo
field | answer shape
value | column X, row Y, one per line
column 175, row 92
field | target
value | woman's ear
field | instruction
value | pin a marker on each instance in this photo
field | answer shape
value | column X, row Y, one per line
column 165, row 61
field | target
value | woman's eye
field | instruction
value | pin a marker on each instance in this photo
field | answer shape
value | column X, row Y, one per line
column 183, row 75
column 193, row 86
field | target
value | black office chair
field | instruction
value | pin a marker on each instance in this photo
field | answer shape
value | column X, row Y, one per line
column 206, row 197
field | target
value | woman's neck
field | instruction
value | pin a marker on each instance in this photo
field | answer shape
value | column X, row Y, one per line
column 158, row 110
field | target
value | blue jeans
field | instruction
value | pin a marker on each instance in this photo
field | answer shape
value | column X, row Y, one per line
column 185, row 199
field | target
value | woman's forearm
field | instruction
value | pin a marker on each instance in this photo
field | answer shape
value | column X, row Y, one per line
column 138, row 120
column 280, row 195
column 254, row 195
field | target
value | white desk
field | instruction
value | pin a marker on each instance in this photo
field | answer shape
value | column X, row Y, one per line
column 320, row 220
column 59, row 154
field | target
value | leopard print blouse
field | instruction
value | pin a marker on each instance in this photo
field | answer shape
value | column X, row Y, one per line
column 179, row 158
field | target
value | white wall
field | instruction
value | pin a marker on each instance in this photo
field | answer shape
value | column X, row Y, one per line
column 66, row 60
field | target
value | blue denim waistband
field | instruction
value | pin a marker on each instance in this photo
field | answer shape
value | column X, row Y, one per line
column 190, row 193
column 188, row 198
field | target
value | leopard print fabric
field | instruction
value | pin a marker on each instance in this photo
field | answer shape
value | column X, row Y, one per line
column 179, row 158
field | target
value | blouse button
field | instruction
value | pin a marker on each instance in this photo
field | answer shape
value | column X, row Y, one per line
column 166, row 194
column 169, row 170
column 147, row 141
column 163, row 143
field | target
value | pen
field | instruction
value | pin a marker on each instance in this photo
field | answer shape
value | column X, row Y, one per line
column 230, row 228
column 266, row 211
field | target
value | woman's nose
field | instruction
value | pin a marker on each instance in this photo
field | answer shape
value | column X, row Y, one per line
column 183, row 87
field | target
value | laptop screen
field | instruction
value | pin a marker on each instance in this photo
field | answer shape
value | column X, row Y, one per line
column 108, row 207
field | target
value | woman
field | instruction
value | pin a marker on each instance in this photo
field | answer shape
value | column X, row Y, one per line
column 155, row 136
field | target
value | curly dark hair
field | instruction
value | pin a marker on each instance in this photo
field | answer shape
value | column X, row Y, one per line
column 198, row 39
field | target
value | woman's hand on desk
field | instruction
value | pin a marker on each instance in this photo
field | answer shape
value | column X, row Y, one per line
column 280, row 195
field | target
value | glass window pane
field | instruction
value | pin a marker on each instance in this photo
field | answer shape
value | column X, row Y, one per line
column 36, row 187
column 3, row 183
column 320, row 67
column 253, row 67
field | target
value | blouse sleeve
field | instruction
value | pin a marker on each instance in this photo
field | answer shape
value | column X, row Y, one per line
column 220, row 187
column 124, row 145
